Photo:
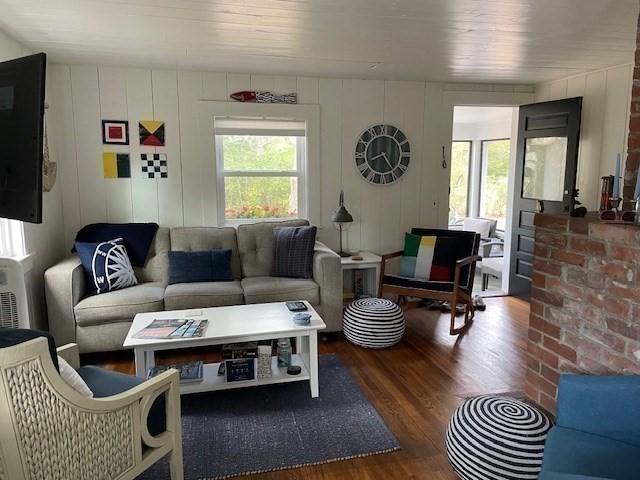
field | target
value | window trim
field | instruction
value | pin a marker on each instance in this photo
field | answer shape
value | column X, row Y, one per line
column 469, row 175
column 205, row 156
column 299, row 173
column 12, row 238
column 481, row 179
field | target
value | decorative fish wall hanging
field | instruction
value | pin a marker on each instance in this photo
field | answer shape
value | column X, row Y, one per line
column 264, row 97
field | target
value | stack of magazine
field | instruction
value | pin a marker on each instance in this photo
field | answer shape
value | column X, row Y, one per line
column 173, row 328
column 189, row 372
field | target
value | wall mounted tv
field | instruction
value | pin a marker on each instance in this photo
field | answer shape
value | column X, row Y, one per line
column 22, row 85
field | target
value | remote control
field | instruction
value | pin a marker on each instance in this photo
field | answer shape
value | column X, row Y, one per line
column 296, row 306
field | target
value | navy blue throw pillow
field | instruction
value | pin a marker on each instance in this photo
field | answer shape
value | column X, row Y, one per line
column 137, row 237
column 106, row 265
column 200, row 266
column 293, row 252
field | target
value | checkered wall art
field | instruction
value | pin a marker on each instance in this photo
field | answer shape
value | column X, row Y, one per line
column 154, row 165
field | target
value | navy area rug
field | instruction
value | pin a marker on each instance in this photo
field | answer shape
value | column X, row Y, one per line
column 278, row 427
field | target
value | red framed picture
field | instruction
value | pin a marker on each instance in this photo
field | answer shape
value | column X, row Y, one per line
column 115, row 132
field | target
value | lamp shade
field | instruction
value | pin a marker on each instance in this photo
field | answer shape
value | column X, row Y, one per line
column 341, row 215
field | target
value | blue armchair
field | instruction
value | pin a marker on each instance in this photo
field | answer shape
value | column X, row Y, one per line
column 597, row 435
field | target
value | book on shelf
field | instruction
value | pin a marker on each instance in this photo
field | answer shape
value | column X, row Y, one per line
column 168, row 328
column 240, row 350
column 190, row 372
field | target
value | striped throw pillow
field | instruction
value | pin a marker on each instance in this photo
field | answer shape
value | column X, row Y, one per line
column 428, row 258
column 293, row 249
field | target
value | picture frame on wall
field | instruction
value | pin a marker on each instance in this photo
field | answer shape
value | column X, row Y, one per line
column 115, row 132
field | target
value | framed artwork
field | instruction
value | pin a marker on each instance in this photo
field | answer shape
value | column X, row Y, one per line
column 116, row 165
column 115, row 132
column 151, row 133
column 154, row 165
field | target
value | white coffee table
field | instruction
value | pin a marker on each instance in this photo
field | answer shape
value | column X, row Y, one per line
column 240, row 323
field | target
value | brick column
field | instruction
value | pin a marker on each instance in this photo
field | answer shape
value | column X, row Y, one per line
column 585, row 302
column 633, row 145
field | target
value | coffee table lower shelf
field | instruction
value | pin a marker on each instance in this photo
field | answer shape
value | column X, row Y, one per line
column 212, row 381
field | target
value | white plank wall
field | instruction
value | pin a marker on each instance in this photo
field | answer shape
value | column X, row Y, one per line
column 85, row 95
column 605, row 122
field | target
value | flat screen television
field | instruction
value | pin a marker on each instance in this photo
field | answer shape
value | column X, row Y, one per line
column 22, row 86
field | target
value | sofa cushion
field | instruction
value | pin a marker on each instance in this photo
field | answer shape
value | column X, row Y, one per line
column 156, row 268
column 255, row 244
column 105, row 383
column 580, row 453
column 181, row 296
column 200, row 266
column 120, row 305
column 279, row 289
column 190, row 239
column 293, row 251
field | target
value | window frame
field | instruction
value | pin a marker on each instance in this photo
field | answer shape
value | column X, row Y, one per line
column 483, row 169
column 300, row 173
column 12, row 238
column 204, row 204
column 469, row 176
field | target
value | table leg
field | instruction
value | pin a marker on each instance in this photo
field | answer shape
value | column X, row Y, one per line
column 150, row 361
column 140, row 361
column 313, row 363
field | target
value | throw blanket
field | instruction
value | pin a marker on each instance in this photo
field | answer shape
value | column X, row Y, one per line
column 137, row 237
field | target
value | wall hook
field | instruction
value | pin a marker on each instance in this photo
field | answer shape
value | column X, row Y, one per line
column 444, row 158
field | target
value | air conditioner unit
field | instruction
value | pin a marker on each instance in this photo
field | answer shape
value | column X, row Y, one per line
column 14, row 303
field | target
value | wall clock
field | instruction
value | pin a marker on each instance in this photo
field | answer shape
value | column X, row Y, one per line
column 382, row 154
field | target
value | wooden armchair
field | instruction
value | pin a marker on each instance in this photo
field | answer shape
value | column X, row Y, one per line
column 50, row 431
column 458, row 290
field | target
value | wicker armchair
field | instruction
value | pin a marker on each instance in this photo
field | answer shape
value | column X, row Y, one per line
column 49, row 431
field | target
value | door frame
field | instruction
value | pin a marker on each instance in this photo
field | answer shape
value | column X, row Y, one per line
column 452, row 99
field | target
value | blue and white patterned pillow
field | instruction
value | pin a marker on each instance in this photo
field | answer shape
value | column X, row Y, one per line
column 107, row 265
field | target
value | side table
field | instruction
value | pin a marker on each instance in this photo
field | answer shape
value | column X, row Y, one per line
column 361, row 277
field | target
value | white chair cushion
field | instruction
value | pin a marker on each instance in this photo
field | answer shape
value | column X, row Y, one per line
column 73, row 379
column 478, row 225
column 493, row 266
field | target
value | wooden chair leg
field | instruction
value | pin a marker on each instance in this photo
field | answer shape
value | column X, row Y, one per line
column 469, row 313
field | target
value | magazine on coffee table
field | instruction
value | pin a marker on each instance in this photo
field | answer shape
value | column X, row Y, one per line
column 168, row 328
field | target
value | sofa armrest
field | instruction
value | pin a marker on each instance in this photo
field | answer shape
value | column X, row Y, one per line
column 327, row 272
column 65, row 286
column 606, row 406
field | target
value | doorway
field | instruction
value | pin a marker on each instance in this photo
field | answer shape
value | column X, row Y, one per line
column 482, row 153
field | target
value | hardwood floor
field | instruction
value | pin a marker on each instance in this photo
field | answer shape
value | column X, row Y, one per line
column 415, row 385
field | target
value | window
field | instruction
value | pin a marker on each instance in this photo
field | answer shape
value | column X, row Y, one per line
column 494, row 180
column 11, row 238
column 459, row 187
column 261, row 165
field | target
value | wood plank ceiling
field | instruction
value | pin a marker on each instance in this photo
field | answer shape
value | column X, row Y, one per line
column 520, row 41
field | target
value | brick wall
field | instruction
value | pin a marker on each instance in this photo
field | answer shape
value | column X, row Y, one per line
column 633, row 147
column 585, row 302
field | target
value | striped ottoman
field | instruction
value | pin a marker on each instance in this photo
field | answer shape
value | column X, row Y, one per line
column 498, row 438
column 373, row 323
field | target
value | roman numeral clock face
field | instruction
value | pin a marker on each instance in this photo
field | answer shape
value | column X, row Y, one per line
column 382, row 154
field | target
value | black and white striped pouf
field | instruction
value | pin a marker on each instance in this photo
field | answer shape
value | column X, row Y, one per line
column 373, row 323
column 496, row 438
